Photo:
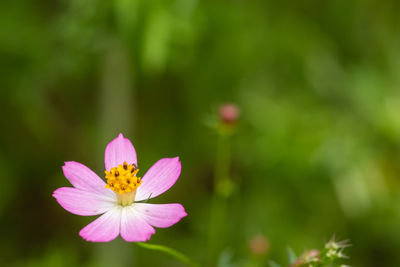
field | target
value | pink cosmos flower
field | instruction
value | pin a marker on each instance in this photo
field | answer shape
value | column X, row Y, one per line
column 119, row 199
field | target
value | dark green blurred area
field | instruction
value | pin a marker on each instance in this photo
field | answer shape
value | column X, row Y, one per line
column 316, row 150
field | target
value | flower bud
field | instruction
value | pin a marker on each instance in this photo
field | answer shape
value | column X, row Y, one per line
column 259, row 245
column 229, row 113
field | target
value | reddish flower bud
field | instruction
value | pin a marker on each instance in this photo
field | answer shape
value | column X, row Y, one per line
column 229, row 113
column 259, row 245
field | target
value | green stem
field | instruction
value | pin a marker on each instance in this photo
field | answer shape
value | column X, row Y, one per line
column 172, row 252
column 222, row 163
column 222, row 190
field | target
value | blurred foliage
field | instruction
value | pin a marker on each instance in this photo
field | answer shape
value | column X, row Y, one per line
column 316, row 151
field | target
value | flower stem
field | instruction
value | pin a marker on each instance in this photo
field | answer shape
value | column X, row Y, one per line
column 174, row 253
column 222, row 165
column 222, row 191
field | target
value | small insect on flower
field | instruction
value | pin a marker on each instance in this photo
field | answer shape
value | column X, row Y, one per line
column 118, row 200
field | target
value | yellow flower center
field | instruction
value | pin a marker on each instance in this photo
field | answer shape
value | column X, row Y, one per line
column 124, row 182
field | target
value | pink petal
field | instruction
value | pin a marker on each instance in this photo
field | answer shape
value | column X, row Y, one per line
column 160, row 215
column 159, row 178
column 133, row 227
column 82, row 202
column 119, row 150
column 82, row 177
column 105, row 228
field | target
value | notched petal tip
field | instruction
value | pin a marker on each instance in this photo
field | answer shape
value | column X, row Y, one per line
column 70, row 163
column 139, row 239
column 161, row 215
column 134, row 227
column 66, row 163
column 58, row 191
column 105, row 228
column 176, row 158
column 180, row 209
column 119, row 150
column 82, row 202
column 159, row 178
column 184, row 213
column 88, row 239
column 81, row 177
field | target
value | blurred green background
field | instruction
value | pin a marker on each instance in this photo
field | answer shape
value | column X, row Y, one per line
column 316, row 150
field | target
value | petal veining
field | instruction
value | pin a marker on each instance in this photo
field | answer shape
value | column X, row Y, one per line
column 105, row 228
column 119, row 150
column 133, row 227
column 161, row 215
column 159, row 178
column 84, row 203
column 82, row 177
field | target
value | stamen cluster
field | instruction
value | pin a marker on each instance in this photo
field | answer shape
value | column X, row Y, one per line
column 122, row 179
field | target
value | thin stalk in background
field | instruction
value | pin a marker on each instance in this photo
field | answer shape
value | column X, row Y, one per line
column 115, row 95
column 222, row 183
